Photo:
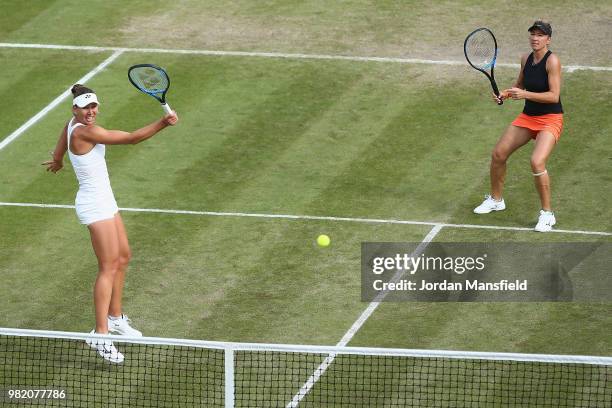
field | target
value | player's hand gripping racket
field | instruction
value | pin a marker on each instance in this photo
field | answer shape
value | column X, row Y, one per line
column 152, row 80
column 480, row 49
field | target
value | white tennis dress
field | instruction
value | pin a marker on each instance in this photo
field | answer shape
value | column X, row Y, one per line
column 94, row 200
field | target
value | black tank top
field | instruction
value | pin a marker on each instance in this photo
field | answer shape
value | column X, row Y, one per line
column 535, row 79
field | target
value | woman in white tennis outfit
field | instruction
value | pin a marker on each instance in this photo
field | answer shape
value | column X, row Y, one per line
column 96, row 207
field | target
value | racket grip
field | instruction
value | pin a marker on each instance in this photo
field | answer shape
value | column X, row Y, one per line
column 496, row 92
column 167, row 108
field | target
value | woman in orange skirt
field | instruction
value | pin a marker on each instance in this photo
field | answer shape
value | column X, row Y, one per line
column 539, row 84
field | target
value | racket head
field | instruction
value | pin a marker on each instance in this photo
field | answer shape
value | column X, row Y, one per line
column 151, row 80
column 480, row 49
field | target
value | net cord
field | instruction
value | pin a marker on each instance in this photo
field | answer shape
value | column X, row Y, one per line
column 296, row 348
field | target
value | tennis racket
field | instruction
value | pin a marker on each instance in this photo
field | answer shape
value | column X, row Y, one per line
column 480, row 49
column 152, row 80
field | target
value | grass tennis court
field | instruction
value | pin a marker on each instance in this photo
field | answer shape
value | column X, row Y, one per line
column 295, row 136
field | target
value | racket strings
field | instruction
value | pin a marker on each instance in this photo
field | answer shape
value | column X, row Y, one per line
column 480, row 49
column 149, row 79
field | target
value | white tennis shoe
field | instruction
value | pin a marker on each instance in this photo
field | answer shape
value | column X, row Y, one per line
column 490, row 204
column 106, row 349
column 121, row 325
column 546, row 221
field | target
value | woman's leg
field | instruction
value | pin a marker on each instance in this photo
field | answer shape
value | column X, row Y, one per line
column 513, row 138
column 105, row 242
column 125, row 255
column 544, row 145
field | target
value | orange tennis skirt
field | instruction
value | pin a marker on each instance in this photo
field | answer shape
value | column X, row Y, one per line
column 551, row 122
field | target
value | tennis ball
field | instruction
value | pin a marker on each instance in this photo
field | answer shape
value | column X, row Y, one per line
column 323, row 240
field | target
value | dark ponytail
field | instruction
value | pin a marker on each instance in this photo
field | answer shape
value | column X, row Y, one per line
column 79, row 89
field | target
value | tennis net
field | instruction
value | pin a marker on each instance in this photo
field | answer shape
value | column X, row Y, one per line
column 160, row 372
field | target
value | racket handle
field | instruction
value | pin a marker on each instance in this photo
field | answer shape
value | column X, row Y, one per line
column 167, row 108
column 496, row 92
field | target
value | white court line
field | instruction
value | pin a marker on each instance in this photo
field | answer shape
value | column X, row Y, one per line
column 312, row 380
column 569, row 68
column 315, row 217
column 56, row 101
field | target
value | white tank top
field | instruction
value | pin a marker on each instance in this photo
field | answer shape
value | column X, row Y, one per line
column 91, row 172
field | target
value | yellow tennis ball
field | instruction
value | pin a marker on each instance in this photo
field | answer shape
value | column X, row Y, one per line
column 323, row 240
